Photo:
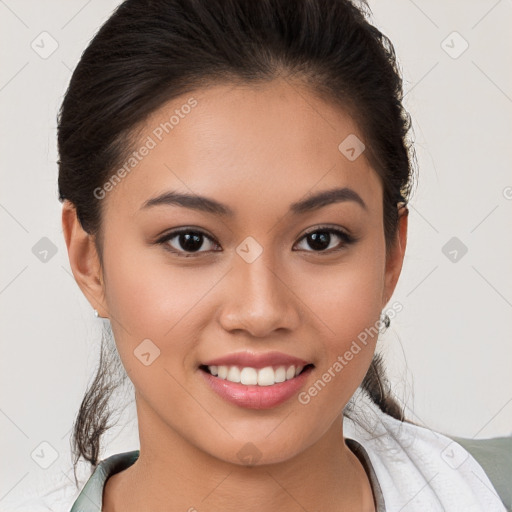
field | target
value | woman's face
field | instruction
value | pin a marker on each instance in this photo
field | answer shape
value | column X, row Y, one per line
column 250, row 281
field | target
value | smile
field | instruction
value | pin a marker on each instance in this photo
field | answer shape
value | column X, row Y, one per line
column 253, row 388
column 247, row 376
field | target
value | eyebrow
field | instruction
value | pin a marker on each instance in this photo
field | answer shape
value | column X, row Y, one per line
column 206, row 204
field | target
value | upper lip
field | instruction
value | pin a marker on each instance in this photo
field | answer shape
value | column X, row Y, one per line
column 256, row 360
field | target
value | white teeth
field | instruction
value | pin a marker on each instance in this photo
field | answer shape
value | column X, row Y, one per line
column 234, row 374
column 266, row 376
column 251, row 376
column 280, row 374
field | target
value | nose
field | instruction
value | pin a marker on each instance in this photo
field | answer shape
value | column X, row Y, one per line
column 258, row 299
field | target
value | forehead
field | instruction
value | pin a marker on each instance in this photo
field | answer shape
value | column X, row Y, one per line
column 262, row 145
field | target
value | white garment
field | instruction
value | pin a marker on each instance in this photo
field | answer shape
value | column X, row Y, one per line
column 418, row 470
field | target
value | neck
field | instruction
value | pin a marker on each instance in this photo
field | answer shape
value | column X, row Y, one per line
column 173, row 474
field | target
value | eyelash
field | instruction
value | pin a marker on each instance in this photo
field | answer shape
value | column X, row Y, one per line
column 347, row 240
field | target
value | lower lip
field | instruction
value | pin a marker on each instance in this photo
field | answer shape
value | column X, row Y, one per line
column 256, row 397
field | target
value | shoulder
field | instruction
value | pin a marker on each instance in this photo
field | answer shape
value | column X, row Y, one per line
column 422, row 469
column 90, row 498
column 55, row 489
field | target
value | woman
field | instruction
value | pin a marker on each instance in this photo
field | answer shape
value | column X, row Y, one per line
column 235, row 178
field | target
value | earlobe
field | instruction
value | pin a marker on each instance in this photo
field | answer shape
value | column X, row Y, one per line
column 83, row 259
column 395, row 258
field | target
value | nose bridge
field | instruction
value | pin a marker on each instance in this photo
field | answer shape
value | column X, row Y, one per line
column 258, row 299
column 260, row 280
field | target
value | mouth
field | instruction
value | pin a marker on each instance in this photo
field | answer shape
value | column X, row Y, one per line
column 256, row 380
column 261, row 377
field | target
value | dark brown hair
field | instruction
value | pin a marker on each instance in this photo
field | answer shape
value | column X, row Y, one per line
column 151, row 51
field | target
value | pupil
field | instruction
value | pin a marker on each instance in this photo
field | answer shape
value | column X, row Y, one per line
column 190, row 242
column 319, row 240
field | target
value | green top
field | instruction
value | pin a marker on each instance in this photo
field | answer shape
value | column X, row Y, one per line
column 90, row 498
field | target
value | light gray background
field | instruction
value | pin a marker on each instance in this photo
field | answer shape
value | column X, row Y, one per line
column 449, row 351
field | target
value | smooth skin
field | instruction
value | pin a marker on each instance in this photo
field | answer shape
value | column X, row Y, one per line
column 257, row 150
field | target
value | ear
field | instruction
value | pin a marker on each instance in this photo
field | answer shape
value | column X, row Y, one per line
column 395, row 258
column 83, row 259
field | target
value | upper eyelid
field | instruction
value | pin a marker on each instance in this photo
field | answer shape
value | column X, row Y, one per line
column 178, row 231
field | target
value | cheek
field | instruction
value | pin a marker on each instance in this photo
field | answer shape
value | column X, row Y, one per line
column 144, row 294
column 149, row 298
column 348, row 309
column 347, row 306
column 348, row 297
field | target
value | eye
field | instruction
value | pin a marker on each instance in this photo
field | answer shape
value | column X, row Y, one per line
column 320, row 239
column 187, row 239
column 187, row 242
